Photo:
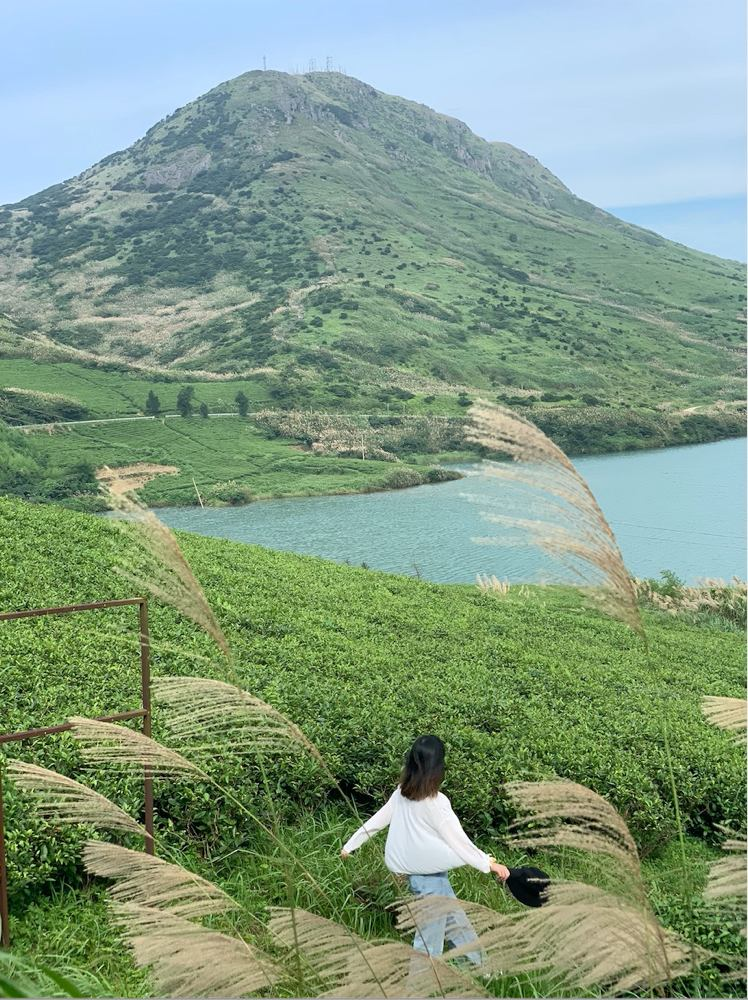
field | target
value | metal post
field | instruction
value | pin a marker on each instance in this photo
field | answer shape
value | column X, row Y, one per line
column 145, row 684
column 144, row 713
column 32, row 734
column 4, row 928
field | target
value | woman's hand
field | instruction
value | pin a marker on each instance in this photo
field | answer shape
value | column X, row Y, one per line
column 344, row 855
column 500, row 871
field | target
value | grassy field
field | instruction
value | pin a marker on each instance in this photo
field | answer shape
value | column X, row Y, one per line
column 120, row 393
column 216, row 454
column 526, row 687
column 358, row 892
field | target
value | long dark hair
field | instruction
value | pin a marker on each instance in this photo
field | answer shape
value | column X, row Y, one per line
column 423, row 772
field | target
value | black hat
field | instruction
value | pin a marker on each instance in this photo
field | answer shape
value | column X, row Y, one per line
column 528, row 885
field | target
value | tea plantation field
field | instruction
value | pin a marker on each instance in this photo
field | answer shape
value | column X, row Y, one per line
column 228, row 460
column 529, row 686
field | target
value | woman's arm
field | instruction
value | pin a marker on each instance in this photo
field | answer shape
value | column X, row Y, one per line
column 451, row 832
column 377, row 822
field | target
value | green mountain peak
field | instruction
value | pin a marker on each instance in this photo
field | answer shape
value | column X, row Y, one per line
column 317, row 228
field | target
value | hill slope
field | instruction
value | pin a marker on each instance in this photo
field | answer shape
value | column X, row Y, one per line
column 321, row 232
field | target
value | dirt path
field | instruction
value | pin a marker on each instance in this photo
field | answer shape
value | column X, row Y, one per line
column 127, row 478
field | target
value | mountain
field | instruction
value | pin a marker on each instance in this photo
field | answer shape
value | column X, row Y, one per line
column 314, row 230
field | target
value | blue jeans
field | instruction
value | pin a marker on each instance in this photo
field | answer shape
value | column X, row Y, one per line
column 453, row 926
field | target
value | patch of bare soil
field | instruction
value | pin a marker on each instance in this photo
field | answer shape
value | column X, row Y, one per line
column 127, row 478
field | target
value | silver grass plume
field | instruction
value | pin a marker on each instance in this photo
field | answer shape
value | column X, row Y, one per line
column 393, row 969
column 121, row 748
column 583, row 938
column 361, row 968
column 166, row 574
column 728, row 877
column 727, row 713
column 150, row 881
column 209, row 715
column 565, row 814
column 569, row 524
column 189, row 960
column 67, row 801
column 324, row 945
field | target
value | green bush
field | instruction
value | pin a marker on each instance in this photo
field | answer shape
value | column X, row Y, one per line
column 402, row 478
column 230, row 492
column 441, row 475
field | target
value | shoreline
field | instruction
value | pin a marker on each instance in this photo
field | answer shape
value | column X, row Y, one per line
column 458, row 458
column 344, row 479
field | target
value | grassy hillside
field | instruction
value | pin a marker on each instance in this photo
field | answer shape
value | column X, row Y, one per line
column 524, row 687
column 314, row 230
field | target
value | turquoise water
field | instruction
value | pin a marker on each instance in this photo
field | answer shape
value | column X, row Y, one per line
column 681, row 509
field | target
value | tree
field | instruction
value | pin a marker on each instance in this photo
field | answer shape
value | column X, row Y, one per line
column 184, row 400
column 152, row 404
column 242, row 403
column 203, row 409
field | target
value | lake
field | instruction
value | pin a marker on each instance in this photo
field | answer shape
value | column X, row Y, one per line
column 681, row 509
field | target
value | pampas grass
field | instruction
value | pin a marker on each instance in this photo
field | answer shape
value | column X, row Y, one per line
column 360, row 968
column 727, row 876
column 208, row 715
column 491, row 585
column 567, row 523
column 324, row 945
column 727, row 713
column 66, row 801
column 149, row 881
column 565, row 814
column 166, row 573
column 583, row 938
column 120, row 748
column 188, row 960
column 728, row 879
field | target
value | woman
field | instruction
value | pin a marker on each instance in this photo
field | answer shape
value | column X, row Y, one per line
column 425, row 840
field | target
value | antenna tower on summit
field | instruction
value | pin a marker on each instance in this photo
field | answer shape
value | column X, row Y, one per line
column 264, row 63
column 328, row 64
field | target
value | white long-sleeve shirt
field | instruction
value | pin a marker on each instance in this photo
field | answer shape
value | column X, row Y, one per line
column 424, row 837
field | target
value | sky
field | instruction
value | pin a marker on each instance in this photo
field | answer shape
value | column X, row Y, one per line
column 638, row 106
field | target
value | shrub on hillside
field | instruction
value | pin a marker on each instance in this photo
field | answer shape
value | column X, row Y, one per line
column 402, row 478
column 21, row 406
column 709, row 601
column 438, row 474
column 230, row 493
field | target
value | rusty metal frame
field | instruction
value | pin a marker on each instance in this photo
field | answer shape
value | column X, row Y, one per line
column 143, row 713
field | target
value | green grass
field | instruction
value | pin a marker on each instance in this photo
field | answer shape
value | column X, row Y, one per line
column 121, row 393
column 214, row 451
column 356, row 893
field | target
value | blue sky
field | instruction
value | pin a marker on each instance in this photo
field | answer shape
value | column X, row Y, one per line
column 631, row 104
